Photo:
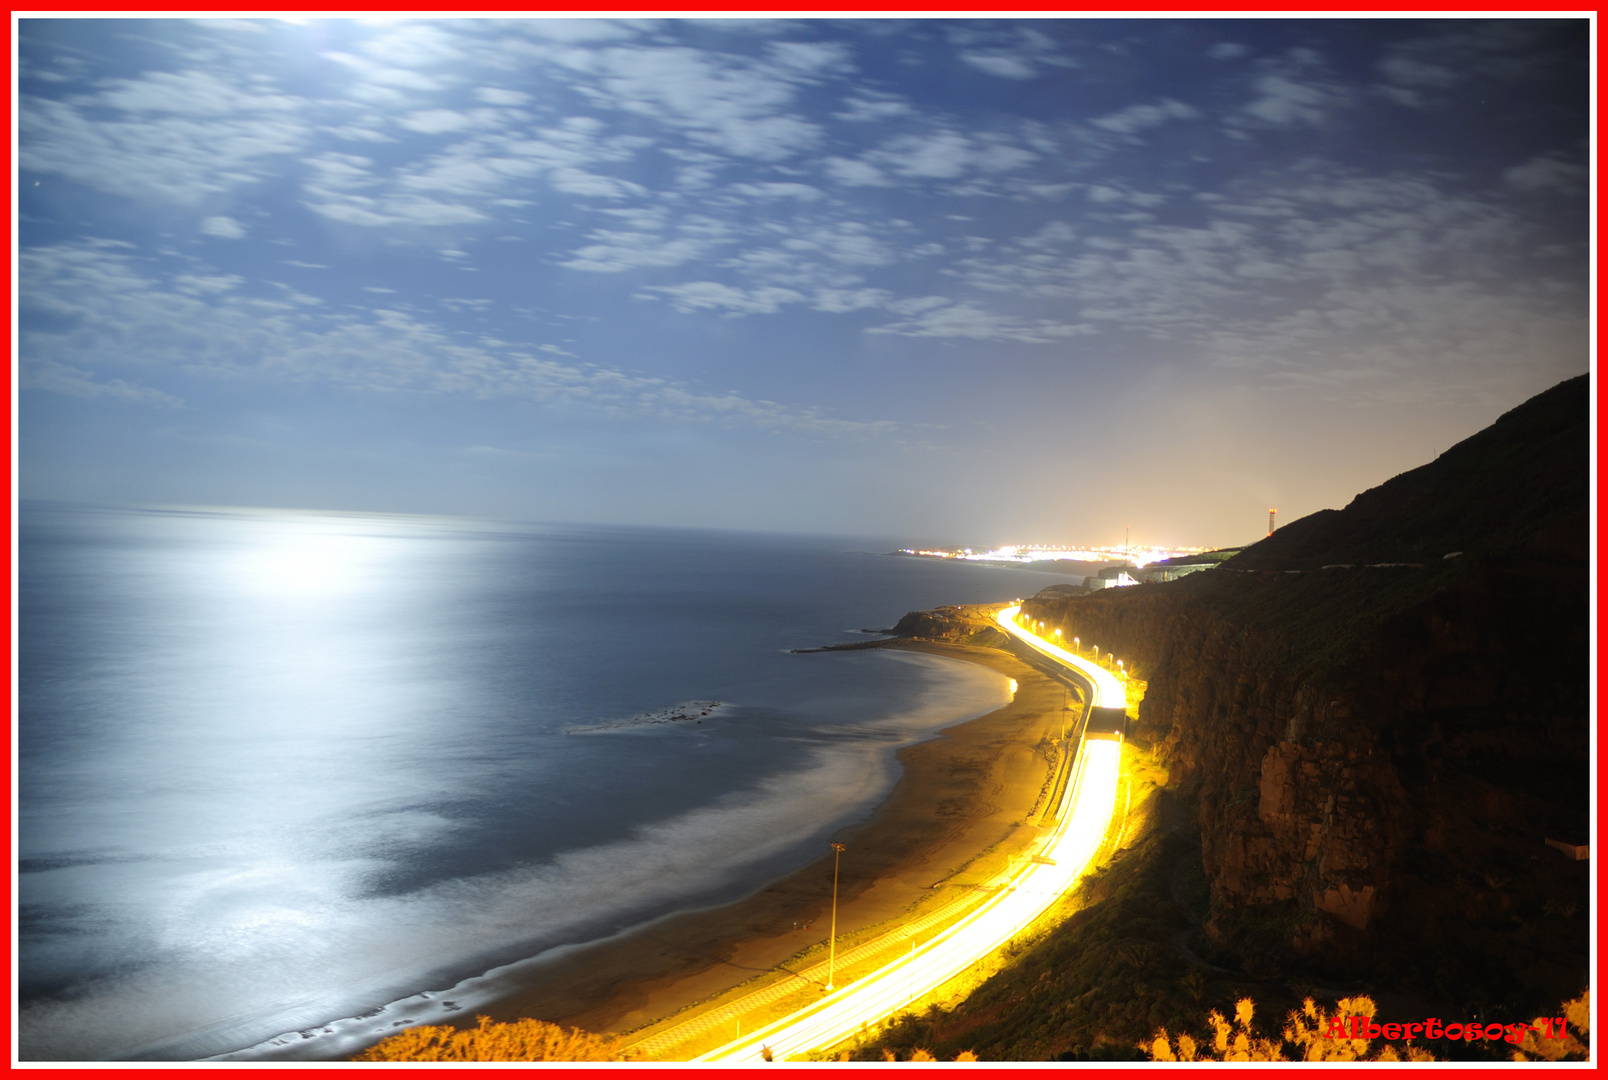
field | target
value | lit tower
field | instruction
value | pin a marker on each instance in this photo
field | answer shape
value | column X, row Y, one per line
column 1270, row 512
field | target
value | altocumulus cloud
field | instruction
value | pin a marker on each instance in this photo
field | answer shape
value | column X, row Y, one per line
column 204, row 325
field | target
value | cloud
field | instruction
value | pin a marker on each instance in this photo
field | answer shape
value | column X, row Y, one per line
column 402, row 62
column 189, row 93
column 339, row 187
column 471, row 180
column 612, row 251
column 56, row 378
column 468, row 181
column 726, row 103
column 1283, row 101
column 778, row 190
column 947, row 155
column 839, row 301
column 581, row 182
column 204, row 284
column 812, row 57
column 493, row 95
column 1308, row 270
column 105, row 303
column 1384, row 344
column 1136, row 118
column 1291, row 90
column 1423, row 72
column 967, row 320
column 710, row 295
column 575, row 31
column 1002, row 65
column 1227, row 50
column 943, row 156
column 1548, row 172
column 868, row 107
column 226, row 227
column 1404, row 69
column 161, row 138
column 850, row 242
column 437, row 121
column 852, row 173
column 1021, row 53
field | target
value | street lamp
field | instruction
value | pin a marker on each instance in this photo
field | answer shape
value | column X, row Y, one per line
column 831, row 956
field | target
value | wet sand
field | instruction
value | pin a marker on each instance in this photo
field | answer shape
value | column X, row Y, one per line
column 969, row 791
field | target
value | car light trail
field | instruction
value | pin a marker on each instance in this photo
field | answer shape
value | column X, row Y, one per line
column 1023, row 895
column 1108, row 689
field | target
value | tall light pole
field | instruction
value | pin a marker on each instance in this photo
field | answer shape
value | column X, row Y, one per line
column 831, row 956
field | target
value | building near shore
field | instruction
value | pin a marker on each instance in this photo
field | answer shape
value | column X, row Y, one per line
column 1112, row 577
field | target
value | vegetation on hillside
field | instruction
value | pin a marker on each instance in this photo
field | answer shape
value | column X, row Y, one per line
column 518, row 1040
column 1221, row 555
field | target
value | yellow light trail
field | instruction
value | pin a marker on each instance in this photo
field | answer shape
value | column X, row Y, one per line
column 1108, row 689
column 1023, row 895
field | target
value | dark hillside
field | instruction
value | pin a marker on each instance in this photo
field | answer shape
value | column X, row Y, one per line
column 1521, row 480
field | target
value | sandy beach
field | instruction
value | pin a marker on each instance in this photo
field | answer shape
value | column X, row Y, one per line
column 962, row 807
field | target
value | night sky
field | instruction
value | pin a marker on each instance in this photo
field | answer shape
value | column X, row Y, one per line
column 947, row 281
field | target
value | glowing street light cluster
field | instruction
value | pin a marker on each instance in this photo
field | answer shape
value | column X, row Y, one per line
column 1028, row 553
column 1023, row 894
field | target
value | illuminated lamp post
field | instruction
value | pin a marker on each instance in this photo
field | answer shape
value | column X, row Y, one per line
column 831, row 956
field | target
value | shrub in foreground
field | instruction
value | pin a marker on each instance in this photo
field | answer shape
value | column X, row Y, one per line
column 519, row 1040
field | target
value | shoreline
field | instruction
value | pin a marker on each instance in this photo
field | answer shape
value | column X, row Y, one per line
column 963, row 802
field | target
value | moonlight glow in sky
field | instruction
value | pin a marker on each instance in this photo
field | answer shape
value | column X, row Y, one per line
column 950, row 281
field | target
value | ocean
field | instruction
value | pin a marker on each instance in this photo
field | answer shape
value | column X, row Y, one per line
column 278, row 770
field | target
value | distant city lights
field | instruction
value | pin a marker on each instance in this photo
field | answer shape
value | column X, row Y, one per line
column 1028, row 553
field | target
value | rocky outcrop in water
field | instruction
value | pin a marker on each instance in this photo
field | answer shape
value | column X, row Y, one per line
column 965, row 625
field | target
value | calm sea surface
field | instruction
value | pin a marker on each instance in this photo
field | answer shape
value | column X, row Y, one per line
column 279, row 769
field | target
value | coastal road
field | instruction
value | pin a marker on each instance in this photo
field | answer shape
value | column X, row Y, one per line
column 1022, row 894
column 1108, row 689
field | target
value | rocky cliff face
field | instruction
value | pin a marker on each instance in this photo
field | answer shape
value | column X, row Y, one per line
column 1379, row 753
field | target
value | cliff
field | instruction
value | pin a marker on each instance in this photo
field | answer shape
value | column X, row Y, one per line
column 1378, row 753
